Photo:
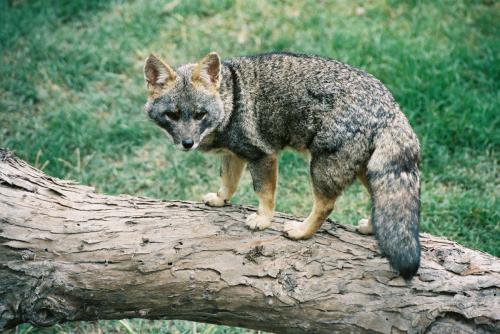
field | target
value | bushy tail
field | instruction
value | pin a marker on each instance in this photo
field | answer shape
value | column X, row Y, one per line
column 394, row 185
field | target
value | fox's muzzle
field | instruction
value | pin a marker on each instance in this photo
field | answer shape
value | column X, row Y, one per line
column 187, row 143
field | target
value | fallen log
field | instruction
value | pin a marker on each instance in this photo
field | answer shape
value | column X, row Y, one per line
column 68, row 253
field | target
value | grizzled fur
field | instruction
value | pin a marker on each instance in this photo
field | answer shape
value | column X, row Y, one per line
column 250, row 108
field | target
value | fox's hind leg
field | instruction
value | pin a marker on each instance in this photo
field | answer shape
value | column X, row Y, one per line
column 329, row 176
column 322, row 207
column 230, row 172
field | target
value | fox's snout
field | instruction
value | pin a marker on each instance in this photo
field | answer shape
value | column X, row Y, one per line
column 187, row 143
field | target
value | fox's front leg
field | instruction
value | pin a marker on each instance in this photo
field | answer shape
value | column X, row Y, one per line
column 230, row 172
column 264, row 175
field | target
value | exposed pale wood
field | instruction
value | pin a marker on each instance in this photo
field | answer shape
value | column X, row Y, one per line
column 67, row 253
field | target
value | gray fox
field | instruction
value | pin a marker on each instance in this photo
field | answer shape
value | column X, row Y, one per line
column 249, row 108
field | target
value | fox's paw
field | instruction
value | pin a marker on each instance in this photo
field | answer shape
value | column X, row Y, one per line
column 297, row 230
column 258, row 222
column 212, row 199
column 365, row 226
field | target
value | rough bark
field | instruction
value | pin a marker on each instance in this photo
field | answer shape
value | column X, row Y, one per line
column 67, row 253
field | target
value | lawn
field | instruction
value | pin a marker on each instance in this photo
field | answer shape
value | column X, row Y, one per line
column 72, row 92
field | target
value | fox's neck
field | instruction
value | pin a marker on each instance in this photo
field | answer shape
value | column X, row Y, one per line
column 230, row 91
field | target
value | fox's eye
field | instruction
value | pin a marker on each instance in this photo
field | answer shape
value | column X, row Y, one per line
column 173, row 115
column 200, row 114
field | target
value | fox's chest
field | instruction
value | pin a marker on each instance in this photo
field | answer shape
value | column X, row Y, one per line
column 218, row 150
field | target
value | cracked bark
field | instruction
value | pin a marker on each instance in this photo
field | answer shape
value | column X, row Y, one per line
column 67, row 253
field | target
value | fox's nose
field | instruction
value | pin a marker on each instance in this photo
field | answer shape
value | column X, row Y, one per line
column 187, row 143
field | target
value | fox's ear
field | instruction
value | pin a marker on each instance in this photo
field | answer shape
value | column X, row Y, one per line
column 208, row 70
column 157, row 73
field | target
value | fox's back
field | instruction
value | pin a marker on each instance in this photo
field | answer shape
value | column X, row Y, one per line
column 294, row 99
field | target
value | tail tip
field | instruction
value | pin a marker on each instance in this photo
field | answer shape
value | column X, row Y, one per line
column 407, row 267
column 408, row 272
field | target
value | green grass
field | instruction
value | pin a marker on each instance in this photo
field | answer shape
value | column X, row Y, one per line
column 72, row 91
column 134, row 326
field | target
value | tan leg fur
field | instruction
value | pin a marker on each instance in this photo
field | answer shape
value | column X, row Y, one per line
column 322, row 207
column 231, row 169
column 265, row 176
column 365, row 225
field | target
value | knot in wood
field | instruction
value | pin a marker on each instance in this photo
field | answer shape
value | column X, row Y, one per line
column 47, row 311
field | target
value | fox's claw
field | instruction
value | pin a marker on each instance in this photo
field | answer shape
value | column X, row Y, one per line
column 258, row 222
column 213, row 199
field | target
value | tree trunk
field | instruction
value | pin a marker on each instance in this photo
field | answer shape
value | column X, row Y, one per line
column 67, row 253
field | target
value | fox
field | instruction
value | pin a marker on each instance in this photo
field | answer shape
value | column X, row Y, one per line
column 249, row 108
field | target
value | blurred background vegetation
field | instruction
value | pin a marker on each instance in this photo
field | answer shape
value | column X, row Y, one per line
column 71, row 94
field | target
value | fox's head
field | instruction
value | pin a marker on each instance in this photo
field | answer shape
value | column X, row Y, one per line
column 185, row 102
